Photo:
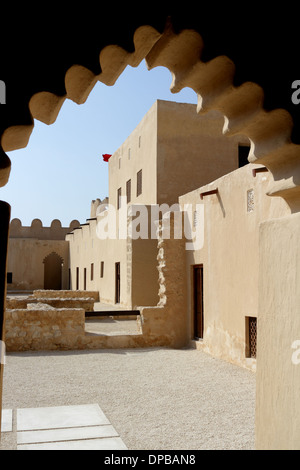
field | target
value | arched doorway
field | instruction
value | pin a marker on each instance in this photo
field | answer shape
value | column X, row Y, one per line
column 53, row 272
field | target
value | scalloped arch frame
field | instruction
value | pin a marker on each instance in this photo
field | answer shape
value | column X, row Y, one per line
column 242, row 106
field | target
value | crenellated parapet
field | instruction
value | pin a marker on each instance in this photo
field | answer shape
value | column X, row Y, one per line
column 36, row 230
column 98, row 206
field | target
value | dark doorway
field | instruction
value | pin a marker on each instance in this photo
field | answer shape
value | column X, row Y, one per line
column 53, row 272
column 198, row 301
column 118, row 283
column 84, row 279
column 77, row 278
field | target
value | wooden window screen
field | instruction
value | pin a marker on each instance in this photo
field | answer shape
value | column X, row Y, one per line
column 252, row 337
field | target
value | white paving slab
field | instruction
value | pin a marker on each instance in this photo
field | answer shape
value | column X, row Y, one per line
column 69, row 434
column 6, row 421
column 113, row 443
column 30, row 419
column 81, row 427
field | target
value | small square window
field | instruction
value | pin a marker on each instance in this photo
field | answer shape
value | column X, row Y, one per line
column 9, row 278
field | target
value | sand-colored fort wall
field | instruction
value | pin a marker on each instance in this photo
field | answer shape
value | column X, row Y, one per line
column 38, row 257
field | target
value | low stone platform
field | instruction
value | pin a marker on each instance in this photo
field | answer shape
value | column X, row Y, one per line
column 66, row 294
column 58, row 299
column 42, row 327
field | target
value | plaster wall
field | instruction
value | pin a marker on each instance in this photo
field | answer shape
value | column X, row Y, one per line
column 191, row 150
column 26, row 262
column 137, row 258
column 278, row 368
column 87, row 252
column 230, row 258
column 138, row 152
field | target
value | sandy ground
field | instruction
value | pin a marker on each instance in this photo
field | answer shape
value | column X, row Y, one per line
column 157, row 399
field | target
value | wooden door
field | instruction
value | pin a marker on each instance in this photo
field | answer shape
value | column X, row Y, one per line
column 84, row 279
column 118, row 283
column 198, row 301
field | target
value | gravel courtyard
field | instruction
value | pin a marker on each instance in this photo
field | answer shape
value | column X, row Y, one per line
column 157, row 399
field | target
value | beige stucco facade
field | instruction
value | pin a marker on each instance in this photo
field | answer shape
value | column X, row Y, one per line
column 278, row 370
column 177, row 151
column 230, row 260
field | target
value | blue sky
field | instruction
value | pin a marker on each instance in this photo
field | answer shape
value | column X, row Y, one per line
column 61, row 170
